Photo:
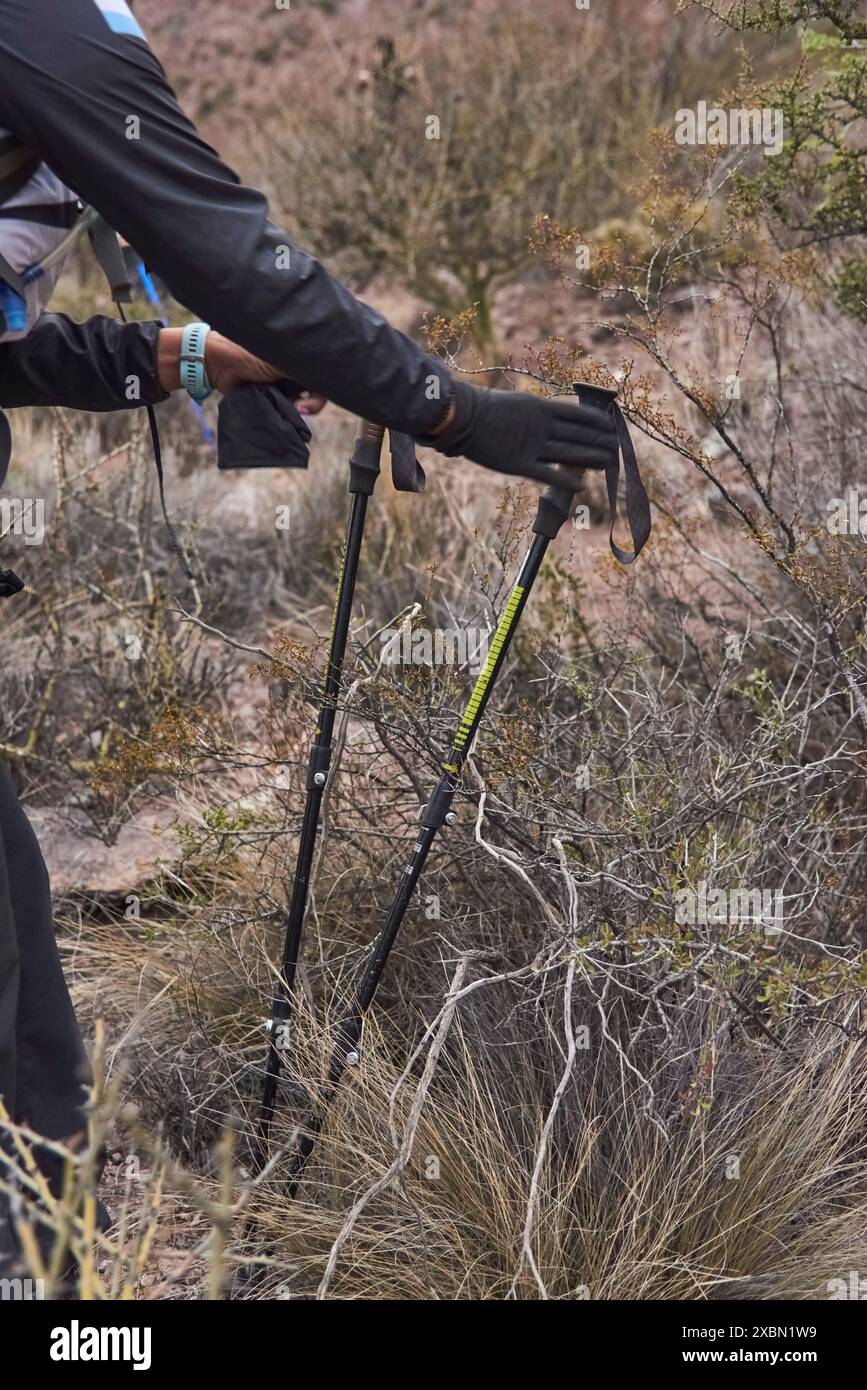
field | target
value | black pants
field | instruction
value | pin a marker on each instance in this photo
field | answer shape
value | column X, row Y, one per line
column 43, row 1066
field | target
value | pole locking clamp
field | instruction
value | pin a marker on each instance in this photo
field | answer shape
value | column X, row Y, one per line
column 438, row 810
column 317, row 767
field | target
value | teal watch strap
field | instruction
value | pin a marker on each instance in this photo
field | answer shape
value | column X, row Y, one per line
column 193, row 376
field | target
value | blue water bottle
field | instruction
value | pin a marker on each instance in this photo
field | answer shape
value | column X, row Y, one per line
column 13, row 308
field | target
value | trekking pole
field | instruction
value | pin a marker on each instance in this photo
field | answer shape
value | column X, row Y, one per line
column 554, row 507
column 363, row 472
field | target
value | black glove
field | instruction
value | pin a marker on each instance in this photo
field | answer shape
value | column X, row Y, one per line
column 260, row 427
column 512, row 432
column 10, row 584
column 525, row 435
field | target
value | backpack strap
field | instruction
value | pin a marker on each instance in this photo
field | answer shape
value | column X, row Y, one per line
column 110, row 256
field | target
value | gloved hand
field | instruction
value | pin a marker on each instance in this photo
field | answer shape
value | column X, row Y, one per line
column 515, row 433
column 551, row 441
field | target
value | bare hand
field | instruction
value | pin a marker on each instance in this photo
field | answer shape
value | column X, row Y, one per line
column 227, row 367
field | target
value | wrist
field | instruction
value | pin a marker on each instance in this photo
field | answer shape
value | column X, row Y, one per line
column 194, row 376
column 442, row 430
column 168, row 359
column 460, row 417
column 216, row 357
column 446, row 421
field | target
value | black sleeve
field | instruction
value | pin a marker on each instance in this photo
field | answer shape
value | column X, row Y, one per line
column 98, row 365
column 96, row 105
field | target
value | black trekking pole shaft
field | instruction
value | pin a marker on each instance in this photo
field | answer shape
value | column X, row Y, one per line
column 364, row 470
column 554, row 507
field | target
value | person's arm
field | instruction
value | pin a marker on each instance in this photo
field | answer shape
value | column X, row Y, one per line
column 101, row 364
column 96, row 106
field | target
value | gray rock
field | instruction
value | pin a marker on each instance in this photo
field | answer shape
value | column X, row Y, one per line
column 79, row 862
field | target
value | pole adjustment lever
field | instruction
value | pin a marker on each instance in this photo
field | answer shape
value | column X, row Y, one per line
column 317, row 767
column 277, row 1030
column 438, row 810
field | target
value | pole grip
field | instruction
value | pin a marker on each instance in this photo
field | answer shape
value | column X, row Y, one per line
column 365, row 462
